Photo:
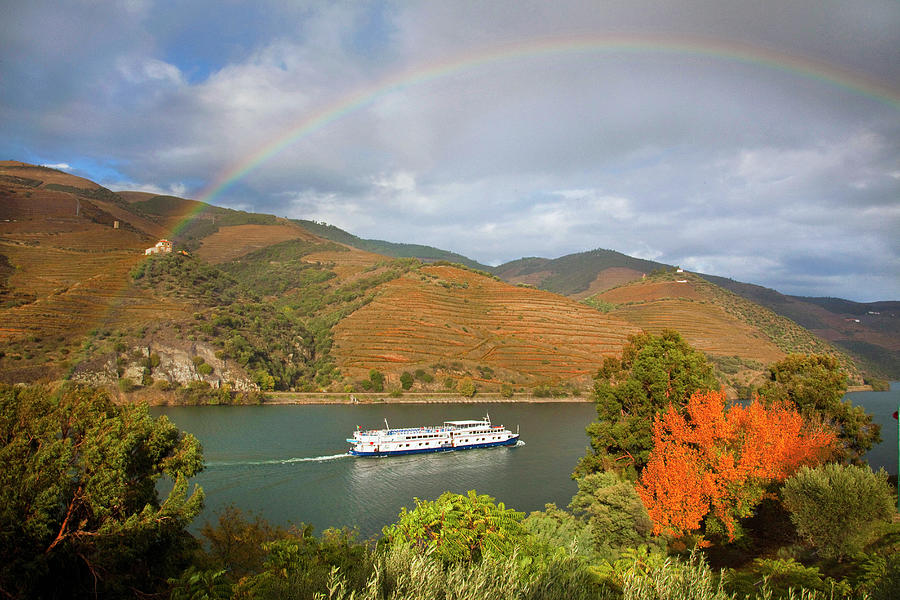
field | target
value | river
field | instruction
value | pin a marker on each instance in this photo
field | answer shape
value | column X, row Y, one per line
column 289, row 462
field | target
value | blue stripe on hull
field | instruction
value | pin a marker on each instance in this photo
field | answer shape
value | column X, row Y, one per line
column 510, row 442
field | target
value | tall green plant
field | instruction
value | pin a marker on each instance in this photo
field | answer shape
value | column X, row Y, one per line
column 653, row 372
column 459, row 528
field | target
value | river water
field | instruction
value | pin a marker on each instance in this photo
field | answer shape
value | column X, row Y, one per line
column 289, row 462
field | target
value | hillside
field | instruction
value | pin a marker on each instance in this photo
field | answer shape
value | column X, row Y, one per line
column 452, row 322
column 66, row 248
column 577, row 275
column 262, row 302
column 393, row 249
column 739, row 336
column 868, row 331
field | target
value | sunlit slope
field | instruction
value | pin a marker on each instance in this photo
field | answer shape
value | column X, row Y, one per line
column 446, row 315
column 712, row 319
column 706, row 325
column 64, row 268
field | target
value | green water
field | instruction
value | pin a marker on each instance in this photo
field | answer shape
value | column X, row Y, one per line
column 881, row 405
column 289, row 463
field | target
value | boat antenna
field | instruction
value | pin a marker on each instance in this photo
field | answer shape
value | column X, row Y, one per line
column 386, row 423
column 487, row 417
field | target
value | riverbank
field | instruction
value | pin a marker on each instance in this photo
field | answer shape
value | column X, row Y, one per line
column 281, row 398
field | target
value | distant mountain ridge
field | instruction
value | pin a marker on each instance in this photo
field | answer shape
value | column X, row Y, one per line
column 573, row 274
column 870, row 331
column 394, row 249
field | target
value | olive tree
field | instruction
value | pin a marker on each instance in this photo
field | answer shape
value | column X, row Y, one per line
column 836, row 508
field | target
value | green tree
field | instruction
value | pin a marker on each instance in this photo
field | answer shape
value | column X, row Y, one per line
column 556, row 528
column 459, row 528
column 79, row 510
column 377, row 380
column 614, row 511
column 299, row 565
column 653, row 372
column 236, row 542
column 836, row 508
column 200, row 585
column 406, row 380
column 816, row 385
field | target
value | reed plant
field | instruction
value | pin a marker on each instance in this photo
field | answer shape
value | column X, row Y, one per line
column 403, row 573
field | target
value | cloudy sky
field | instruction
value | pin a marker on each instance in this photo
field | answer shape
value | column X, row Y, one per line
column 753, row 140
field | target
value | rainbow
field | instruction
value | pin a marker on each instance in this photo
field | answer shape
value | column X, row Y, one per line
column 728, row 51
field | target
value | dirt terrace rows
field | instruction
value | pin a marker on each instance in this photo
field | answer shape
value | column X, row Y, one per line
column 448, row 314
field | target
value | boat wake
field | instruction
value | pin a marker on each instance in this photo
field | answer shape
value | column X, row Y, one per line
column 276, row 461
column 519, row 444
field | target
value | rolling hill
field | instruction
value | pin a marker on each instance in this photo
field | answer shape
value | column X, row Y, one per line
column 394, row 249
column 577, row 275
column 869, row 331
column 261, row 302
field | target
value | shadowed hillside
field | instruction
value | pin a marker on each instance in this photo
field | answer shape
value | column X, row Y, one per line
column 577, row 275
column 870, row 331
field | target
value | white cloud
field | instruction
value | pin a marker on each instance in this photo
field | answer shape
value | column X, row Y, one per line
column 60, row 166
column 138, row 70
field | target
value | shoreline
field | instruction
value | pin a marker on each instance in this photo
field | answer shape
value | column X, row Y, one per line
column 287, row 398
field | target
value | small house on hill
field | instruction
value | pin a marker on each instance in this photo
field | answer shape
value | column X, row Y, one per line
column 161, row 247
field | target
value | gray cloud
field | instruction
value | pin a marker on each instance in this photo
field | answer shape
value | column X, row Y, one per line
column 744, row 168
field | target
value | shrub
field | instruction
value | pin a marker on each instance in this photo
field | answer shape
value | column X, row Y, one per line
column 459, row 528
column 466, row 387
column 406, row 380
column 837, row 507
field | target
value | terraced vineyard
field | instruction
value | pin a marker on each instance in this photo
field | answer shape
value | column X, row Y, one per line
column 303, row 305
column 713, row 320
column 231, row 242
column 443, row 314
column 67, row 271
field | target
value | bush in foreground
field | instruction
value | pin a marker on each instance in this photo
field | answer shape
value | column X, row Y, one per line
column 836, row 508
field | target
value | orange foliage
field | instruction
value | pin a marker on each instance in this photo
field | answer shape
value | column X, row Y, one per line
column 707, row 459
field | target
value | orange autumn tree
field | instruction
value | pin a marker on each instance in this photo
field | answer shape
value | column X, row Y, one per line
column 713, row 463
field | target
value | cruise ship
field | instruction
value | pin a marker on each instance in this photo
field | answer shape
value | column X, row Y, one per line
column 452, row 435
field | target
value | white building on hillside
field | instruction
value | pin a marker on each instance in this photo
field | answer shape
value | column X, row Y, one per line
column 161, row 247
